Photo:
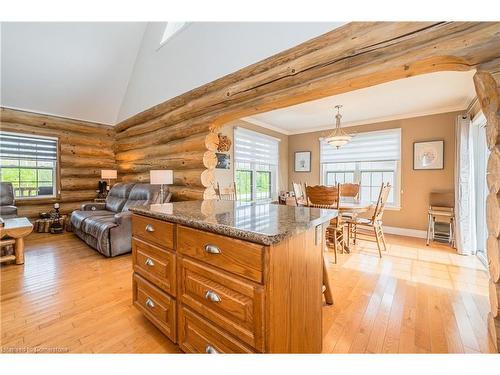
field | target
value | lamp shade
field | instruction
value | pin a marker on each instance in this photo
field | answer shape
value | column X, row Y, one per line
column 161, row 177
column 108, row 174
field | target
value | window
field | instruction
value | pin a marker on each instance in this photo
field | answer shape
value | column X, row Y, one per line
column 29, row 162
column 256, row 163
column 369, row 159
column 171, row 29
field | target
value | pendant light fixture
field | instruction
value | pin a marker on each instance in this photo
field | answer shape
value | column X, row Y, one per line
column 338, row 137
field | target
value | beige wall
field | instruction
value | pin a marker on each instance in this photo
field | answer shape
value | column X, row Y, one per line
column 415, row 184
column 226, row 176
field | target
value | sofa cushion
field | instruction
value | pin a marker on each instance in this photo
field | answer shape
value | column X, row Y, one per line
column 143, row 194
column 97, row 225
column 8, row 211
column 78, row 217
column 117, row 196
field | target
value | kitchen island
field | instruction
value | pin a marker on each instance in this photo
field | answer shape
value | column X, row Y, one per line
column 231, row 277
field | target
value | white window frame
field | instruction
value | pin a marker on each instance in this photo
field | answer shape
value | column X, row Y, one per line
column 55, row 168
column 357, row 173
column 255, row 167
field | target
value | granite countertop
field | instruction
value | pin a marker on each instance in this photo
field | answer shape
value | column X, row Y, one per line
column 263, row 223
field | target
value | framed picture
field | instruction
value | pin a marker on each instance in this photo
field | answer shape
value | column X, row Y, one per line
column 303, row 161
column 428, row 155
column 223, row 161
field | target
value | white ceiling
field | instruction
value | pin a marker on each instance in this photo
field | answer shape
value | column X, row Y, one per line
column 75, row 70
column 411, row 97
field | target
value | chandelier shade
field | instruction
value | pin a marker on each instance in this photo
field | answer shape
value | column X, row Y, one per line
column 338, row 137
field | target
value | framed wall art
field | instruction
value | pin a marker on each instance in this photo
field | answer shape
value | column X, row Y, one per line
column 303, row 161
column 428, row 155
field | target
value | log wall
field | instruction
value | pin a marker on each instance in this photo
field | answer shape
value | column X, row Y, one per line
column 84, row 149
column 487, row 83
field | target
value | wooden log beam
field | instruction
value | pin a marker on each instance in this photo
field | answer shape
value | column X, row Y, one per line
column 78, row 150
column 189, row 177
column 80, row 172
column 185, row 193
column 79, row 183
column 33, row 211
column 54, row 122
column 70, row 161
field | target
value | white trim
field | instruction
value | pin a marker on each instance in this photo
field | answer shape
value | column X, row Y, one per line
column 405, row 232
column 448, row 109
column 263, row 124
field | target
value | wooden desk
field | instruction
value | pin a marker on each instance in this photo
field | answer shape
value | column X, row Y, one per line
column 17, row 228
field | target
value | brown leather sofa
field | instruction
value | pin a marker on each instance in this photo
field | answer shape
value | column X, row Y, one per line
column 7, row 201
column 107, row 227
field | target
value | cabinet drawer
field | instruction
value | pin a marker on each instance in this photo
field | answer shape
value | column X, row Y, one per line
column 233, row 305
column 156, row 306
column 236, row 256
column 196, row 335
column 156, row 231
column 154, row 264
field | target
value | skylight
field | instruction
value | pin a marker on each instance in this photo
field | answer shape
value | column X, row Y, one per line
column 171, row 29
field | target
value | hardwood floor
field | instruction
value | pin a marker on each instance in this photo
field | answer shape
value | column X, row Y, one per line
column 68, row 298
column 416, row 299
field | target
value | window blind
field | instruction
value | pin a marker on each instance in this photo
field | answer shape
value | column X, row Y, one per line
column 253, row 147
column 369, row 146
column 21, row 147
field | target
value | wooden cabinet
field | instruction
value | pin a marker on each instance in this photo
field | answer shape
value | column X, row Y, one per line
column 158, row 307
column 232, row 255
column 215, row 294
column 153, row 231
column 231, row 303
column 155, row 264
column 197, row 335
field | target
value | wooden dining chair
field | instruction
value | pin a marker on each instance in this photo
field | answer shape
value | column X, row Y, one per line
column 300, row 193
column 226, row 193
column 349, row 190
column 328, row 197
column 372, row 227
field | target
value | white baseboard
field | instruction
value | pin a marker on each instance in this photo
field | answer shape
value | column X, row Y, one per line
column 405, row 232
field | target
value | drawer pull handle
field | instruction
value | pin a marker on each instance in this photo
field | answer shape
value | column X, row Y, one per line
column 212, row 249
column 149, row 262
column 150, row 228
column 212, row 296
column 150, row 303
column 209, row 349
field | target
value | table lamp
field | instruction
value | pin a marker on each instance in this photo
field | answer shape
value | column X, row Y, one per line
column 161, row 177
column 108, row 174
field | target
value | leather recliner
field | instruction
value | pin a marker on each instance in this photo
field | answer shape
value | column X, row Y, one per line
column 107, row 227
column 7, row 201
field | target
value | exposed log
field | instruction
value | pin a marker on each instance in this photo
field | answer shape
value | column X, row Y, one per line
column 186, row 193
column 210, row 160
column 492, row 249
column 207, row 177
column 34, row 210
column 184, row 160
column 164, row 135
column 190, row 177
column 212, row 141
column 493, row 171
column 79, row 183
column 488, row 95
column 188, row 144
column 78, row 161
column 493, row 298
column 78, row 196
column 64, row 136
column 78, row 150
column 80, row 172
column 54, row 122
column 493, row 215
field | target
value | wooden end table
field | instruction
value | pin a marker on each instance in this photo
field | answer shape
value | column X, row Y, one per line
column 16, row 228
